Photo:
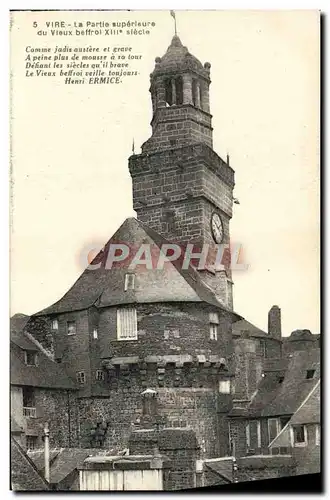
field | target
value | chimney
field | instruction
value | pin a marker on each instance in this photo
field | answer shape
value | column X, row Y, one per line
column 46, row 452
column 274, row 322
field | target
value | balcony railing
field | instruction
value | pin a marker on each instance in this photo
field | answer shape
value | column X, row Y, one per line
column 29, row 412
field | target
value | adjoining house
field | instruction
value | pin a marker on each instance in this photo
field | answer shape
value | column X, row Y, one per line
column 302, row 434
column 40, row 392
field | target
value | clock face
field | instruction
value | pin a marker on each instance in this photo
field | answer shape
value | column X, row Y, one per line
column 216, row 227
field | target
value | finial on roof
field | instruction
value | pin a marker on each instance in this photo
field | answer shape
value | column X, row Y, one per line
column 173, row 15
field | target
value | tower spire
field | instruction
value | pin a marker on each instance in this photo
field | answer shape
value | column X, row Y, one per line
column 173, row 15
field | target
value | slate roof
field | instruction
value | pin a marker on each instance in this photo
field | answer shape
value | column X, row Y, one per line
column 14, row 427
column 47, row 373
column 244, row 326
column 17, row 324
column 309, row 412
column 223, row 468
column 176, row 58
column 104, row 286
column 65, row 460
column 275, row 398
column 24, row 474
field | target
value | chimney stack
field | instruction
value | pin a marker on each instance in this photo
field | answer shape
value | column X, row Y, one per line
column 274, row 322
column 46, row 452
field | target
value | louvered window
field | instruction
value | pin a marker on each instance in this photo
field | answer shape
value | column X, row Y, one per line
column 126, row 324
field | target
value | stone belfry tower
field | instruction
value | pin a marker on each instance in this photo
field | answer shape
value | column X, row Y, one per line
column 181, row 188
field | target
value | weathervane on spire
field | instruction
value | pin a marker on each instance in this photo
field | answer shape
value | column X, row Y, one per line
column 173, row 15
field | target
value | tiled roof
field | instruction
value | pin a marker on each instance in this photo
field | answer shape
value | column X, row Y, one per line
column 105, row 287
column 47, row 373
column 24, row 474
column 275, row 397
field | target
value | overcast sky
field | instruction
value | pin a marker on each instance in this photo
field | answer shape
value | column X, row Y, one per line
column 70, row 145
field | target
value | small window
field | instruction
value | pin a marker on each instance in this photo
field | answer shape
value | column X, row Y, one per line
column 299, row 435
column 126, row 324
column 31, row 358
column 224, row 386
column 95, row 333
column 214, row 318
column 31, row 442
column 99, row 375
column 280, row 380
column 129, row 282
column 54, row 324
column 71, row 327
column 81, row 379
column 310, row 374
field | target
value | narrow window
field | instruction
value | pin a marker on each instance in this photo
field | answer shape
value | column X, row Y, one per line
column 95, row 333
column 273, row 428
column 310, row 374
column 81, row 379
column 31, row 358
column 247, row 435
column 168, row 92
column 317, row 434
column 214, row 322
column 31, row 442
column 99, row 375
column 259, row 433
column 126, row 324
column 224, row 386
column 179, row 90
column 54, row 324
column 29, row 406
column 129, row 282
column 299, row 435
column 280, row 379
column 71, row 327
column 194, row 92
column 262, row 346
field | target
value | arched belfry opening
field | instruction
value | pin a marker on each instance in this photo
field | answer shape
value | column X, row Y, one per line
column 174, row 91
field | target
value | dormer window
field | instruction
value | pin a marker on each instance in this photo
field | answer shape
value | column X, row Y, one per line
column 31, row 358
column 54, row 324
column 310, row 374
column 129, row 282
